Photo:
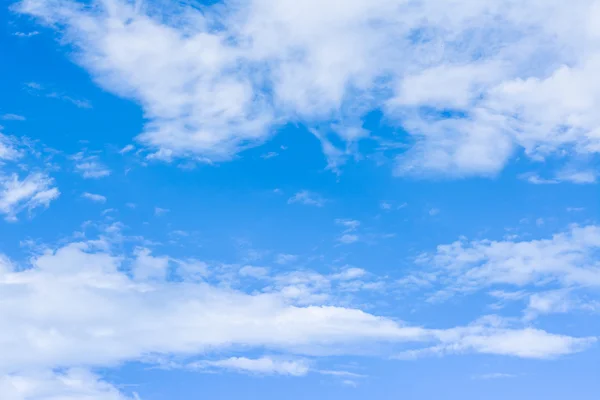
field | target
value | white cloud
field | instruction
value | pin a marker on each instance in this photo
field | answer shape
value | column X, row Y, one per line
column 270, row 154
column 100, row 315
column 127, row 149
column 348, row 238
column 89, row 167
column 567, row 259
column 537, row 180
column 88, row 304
column 555, row 301
column 77, row 306
column 349, row 224
column 146, row 266
column 26, row 34
column 263, row 366
column 36, row 190
column 12, row 117
column 494, row 375
column 307, row 198
column 471, row 82
column 283, row 258
column 97, row 198
column 350, row 273
column 8, row 149
column 341, row 373
column 92, row 170
column 488, row 336
column 579, row 177
column 74, row 384
column 252, row 271
column 160, row 211
column 384, row 205
column 37, row 89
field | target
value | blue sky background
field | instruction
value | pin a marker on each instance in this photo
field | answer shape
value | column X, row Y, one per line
column 288, row 195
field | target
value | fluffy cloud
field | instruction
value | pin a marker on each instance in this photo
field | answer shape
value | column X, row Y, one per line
column 76, row 306
column 471, row 82
column 83, row 306
column 74, row 384
column 91, row 304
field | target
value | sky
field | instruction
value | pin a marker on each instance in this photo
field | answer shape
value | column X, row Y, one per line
column 327, row 199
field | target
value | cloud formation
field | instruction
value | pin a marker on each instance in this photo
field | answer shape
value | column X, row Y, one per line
column 472, row 83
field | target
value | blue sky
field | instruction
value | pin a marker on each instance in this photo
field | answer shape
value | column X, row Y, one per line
column 287, row 199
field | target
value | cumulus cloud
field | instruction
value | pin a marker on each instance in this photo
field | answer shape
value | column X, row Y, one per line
column 471, row 82
column 92, row 304
column 554, row 301
column 73, row 384
column 78, row 306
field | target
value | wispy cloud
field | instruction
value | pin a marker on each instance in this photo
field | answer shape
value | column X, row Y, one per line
column 349, row 224
column 283, row 258
column 12, row 117
column 307, row 198
column 127, row 149
column 493, row 375
column 160, row 211
column 580, row 177
column 348, row 235
column 34, row 191
column 89, row 166
column 97, row 198
column 26, row 34
column 39, row 90
column 262, row 366
column 348, row 238
column 433, row 212
column 270, row 154
column 566, row 259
